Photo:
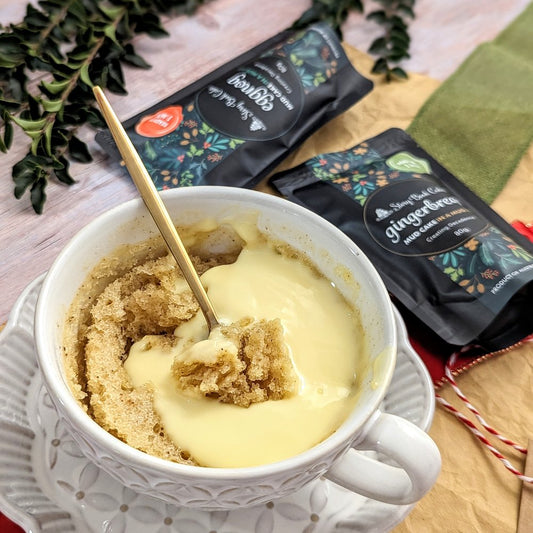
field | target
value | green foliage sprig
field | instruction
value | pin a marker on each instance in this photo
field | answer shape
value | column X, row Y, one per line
column 391, row 47
column 71, row 44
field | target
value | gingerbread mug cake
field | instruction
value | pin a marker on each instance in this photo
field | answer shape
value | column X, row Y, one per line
column 282, row 368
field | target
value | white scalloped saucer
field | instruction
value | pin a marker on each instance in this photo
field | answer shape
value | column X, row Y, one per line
column 46, row 485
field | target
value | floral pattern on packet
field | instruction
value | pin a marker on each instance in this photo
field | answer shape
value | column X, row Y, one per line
column 473, row 265
column 311, row 56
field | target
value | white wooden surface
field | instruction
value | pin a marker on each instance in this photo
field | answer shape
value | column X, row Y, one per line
column 443, row 34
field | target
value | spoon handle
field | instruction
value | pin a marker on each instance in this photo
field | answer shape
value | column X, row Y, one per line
column 155, row 206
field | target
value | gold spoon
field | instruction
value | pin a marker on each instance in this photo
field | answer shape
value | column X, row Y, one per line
column 156, row 207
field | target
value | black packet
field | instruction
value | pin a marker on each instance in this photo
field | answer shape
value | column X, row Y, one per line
column 444, row 254
column 234, row 125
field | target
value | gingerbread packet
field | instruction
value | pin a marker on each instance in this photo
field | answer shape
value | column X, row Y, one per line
column 461, row 276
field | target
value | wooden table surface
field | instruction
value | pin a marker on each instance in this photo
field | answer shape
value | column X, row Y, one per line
column 443, row 34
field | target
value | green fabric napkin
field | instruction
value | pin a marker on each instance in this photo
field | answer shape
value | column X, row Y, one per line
column 479, row 122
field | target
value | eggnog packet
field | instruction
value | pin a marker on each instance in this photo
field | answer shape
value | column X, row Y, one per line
column 237, row 123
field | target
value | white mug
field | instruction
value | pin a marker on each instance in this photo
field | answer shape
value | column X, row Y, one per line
column 415, row 455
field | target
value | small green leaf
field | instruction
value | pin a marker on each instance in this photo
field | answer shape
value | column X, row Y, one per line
column 84, row 75
column 24, row 173
column 395, row 56
column 36, row 138
column 8, row 63
column 8, row 135
column 115, row 73
column 151, row 25
column 398, row 22
column 484, row 254
column 78, row 11
column 64, row 176
column 380, row 66
column 113, row 84
column 22, row 183
column 112, row 13
column 94, row 117
column 12, row 49
column 110, row 33
column 234, row 143
column 34, row 18
column 399, row 73
column 406, row 11
column 195, row 152
column 379, row 46
column 133, row 59
column 30, row 125
column 48, row 138
column 80, row 54
column 206, row 128
column 52, row 106
column 38, row 195
column 400, row 35
column 378, row 16
column 61, row 171
column 149, row 151
column 78, row 150
column 10, row 106
column 399, row 44
column 34, row 109
column 55, row 87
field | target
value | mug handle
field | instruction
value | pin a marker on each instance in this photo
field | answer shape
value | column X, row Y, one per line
column 410, row 447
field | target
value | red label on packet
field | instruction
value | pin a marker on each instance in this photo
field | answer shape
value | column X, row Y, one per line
column 160, row 123
column 524, row 229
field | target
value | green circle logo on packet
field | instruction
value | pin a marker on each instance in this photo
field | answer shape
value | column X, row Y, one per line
column 406, row 162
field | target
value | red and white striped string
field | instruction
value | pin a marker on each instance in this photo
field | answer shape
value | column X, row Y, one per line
column 472, row 427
